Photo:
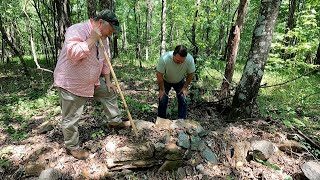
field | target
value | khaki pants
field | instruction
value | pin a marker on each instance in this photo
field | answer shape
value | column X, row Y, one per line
column 72, row 107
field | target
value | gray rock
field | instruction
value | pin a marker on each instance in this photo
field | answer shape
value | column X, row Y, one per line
column 262, row 149
column 311, row 170
column 45, row 127
column 34, row 169
column 159, row 146
column 202, row 146
column 195, row 142
column 210, row 156
column 183, row 140
column 200, row 167
column 163, row 123
column 181, row 174
column 50, row 174
column 173, row 152
column 134, row 151
column 140, row 124
column 187, row 154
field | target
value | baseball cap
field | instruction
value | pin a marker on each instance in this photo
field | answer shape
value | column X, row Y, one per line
column 110, row 17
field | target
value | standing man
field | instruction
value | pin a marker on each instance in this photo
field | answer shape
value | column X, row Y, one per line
column 82, row 72
column 172, row 68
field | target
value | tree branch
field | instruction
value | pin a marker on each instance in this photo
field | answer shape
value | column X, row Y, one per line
column 280, row 84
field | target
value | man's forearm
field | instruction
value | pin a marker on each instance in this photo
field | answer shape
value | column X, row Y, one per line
column 188, row 81
column 107, row 78
column 160, row 80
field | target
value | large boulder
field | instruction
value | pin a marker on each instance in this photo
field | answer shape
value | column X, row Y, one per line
column 311, row 170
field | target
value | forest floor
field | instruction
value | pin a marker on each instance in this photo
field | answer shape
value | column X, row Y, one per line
column 29, row 102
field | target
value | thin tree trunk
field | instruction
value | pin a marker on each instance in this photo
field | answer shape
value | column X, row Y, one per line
column 163, row 27
column 247, row 90
column 91, row 8
column 15, row 49
column 148, row 27
column 317, row 61
column 137, row 30
column 124, row 37
column 193, row 37
column 36, row 6
column 233, row 44
column 224, row 50
column 291, row 23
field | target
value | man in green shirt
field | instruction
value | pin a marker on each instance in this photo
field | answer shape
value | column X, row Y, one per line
column 175, row 70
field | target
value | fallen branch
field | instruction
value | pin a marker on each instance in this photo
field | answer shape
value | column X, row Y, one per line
column 309, row 140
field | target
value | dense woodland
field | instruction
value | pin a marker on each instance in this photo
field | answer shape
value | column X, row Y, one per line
column 254, row 59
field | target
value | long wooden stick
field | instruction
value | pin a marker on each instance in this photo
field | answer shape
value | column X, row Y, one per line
column 118, row 87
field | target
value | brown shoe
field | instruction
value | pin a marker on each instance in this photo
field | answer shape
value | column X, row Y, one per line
column 78, row 153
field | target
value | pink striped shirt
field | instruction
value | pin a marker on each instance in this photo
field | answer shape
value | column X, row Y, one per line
column 78, row 68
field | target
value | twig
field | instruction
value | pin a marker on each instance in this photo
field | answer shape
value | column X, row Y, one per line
column 280, row 84
column 309, row 140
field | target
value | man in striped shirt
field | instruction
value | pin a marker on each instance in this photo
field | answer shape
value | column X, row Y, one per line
column 82, row 72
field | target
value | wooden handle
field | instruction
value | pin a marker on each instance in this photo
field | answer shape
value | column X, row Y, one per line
column 118, row 87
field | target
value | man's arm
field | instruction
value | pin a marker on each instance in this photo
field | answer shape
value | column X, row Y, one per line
column 161, row 84
column 160, row 80
column 186, row 84
column 109, row 83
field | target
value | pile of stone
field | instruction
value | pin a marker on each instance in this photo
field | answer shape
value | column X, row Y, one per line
column 182, row 139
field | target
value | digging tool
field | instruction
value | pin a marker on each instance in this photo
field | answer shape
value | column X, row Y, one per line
column 118, row 87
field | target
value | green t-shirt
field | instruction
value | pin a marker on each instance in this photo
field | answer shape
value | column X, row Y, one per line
column 173, row 72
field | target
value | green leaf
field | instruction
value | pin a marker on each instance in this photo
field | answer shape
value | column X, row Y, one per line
column 266, row 163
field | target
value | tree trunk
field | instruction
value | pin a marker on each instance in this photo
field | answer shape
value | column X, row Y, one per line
column 291, row 23
column 195, row 49
column 124, row 37
column 232, row 51
column 148, row 27
column 163, row 27
column 107, row 4
column 63, row 17
column 137, row 31
column 91, row 8
column 44, row 28
column 317, row 61
column 14, row 48
column 247, row 91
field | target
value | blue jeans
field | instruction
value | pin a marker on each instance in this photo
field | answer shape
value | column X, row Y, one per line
column 182, row 103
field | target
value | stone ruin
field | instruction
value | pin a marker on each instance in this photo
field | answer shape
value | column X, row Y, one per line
column 167, row 143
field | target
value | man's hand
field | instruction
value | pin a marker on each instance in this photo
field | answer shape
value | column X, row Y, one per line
column 94, row 36
column 161, row 94
column 184, row 92
column 110, row 87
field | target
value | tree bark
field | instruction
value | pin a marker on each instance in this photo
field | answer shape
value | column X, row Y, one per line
column 232, row 51
column 15, row 49
column 163, row 27
column 244, row 99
